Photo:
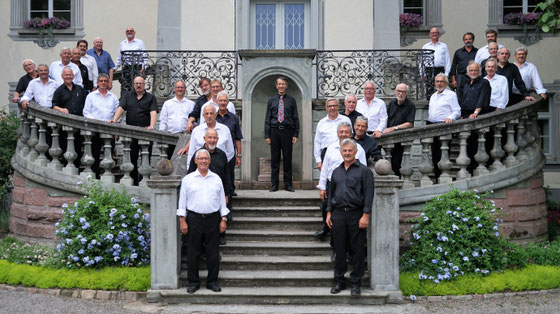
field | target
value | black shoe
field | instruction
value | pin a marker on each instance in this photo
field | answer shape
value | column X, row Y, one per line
column 333, row 257
column 356, row 289
column 215, row 288
column 338, row 287
column 321, row 234
column 223, row 240
column 192, row 288
column 273, row 188
column 289, row 188
column 348, row 258
column 234, row 193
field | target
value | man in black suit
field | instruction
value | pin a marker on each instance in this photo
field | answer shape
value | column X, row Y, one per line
column 281, row 131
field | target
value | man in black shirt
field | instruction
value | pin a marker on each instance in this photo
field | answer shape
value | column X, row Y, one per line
column 401, row 112
column 76, row 56
column 511, row 72
column 461, row 60
column 204, row 85
column 474, row 95
column 141, row 110
column 350, row 197
column 232, row 122
column 281, row 131
column 30, row 73
column 350, row 102
column 368, row 143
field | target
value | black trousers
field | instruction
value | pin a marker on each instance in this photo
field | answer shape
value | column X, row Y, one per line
column 346, row 233
column 204, row 232
column 431, row 73
column 281, row 143
column 436, row 153
column 396, row 158
column 324, row 203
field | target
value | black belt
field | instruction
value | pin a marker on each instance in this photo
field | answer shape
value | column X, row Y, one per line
column 347, row 209
column 281, row 127
column 202, row 215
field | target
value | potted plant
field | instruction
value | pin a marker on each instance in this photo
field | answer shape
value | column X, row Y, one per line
column 46, row 26
column 409, row 21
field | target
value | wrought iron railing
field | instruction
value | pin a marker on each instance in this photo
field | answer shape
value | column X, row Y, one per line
column 341, row 72
column 163, row 68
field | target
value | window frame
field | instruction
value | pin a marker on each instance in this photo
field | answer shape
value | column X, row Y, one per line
column 432, row 16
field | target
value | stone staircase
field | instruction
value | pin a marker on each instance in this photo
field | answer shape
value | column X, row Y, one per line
column 271, row 256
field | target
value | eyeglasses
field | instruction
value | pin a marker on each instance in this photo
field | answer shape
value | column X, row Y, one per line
column 203, row 158
column 402, row 91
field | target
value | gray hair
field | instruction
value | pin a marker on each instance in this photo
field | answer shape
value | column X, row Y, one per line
column 405, row 85
column 66, row 67
column 331, row 99
column 493, row 44
column 64, row 49
column 221, row 93
column 471, row 62
column 202, row 150
column 215, row 109
column 343, row 124
column 23, row 62
column 347, row 141
column 521, row 49
column 444, row 76
column 491, row 60
column 350, row 95
column 362, row 119
column 102, row 75
column 42, row 65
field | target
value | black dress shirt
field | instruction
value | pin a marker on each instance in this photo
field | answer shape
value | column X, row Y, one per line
column 88, row 84
column 370, row 146
column 511, row 72
column 219, row 165
column 232, row 122
column 291, row 120
column 22, row 83
column 473, row 96
column 200, row 101
column 138, row 110
column 461, row 60
column 399, row 114
column 352, row 116
column 73, row 100
column 352, row 188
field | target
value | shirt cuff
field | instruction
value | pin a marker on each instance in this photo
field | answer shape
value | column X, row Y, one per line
column 224, row 211
column 181, row 212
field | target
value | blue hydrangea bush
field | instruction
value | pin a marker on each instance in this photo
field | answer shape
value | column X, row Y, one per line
column 104, row 228
column 457, row 233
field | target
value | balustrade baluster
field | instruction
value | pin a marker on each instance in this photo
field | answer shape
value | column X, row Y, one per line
column 406, row 167
column 21, row 133
column 481, row 156
column 26, row 135
column 145, row 169
column 530, row 137
column 87, row 158
column 463, row 159
column 70, row 155
column 55, row 151
column 162, row 151
column 537, row 134
column 33, row 140
column 388, row 149
column 497, row 152
column 426, row 166
column 126, row 165
column 521, row 141
column 107, row 163
column 42, row 146
column 445, row 164
column 510, row 146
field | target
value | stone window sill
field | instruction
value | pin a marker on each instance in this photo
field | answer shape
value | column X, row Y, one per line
column 422, row 32
column 530, row 36
column 24, row 34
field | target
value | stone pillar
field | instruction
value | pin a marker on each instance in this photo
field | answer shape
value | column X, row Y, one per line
column 383, row 257
column 165, row 247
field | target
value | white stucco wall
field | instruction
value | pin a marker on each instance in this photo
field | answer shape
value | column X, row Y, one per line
column 348, row 24
column 208, row 25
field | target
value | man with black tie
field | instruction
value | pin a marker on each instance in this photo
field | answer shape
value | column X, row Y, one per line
column 281, row 131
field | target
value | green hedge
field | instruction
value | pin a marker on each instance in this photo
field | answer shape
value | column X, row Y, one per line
column 131, row 279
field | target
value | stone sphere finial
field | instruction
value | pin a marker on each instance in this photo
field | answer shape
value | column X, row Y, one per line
column 382, row 167
column 164, row 167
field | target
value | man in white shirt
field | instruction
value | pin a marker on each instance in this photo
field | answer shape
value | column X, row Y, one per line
column 88, row 61
column 132, row 65
column 500, row 94
column 333, row 159
column 41, row 89
column 374, row 109
column 326, row 133
column 482, row 53
column 442, row 61
column 225, row 142
column 216, row 86
column 55, row 70
column 529, row 74
column 202, row 215
column 175, row 112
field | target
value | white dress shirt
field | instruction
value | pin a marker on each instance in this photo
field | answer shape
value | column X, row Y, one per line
column 230, row 108
column 174, row 115
column 135, row 44
column 443, row 106
column 483, row 54
column 55, row 72
column 197, row 140
column 100, row 107
column 91, row 65
column 326, row 134
column 333, row 159
column 375, row 112
column 441, row 55
column 500, row 91
column 202, row 194
column 531, row 78
column 42, row 93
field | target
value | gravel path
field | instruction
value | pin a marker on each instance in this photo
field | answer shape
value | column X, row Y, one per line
column 13, row 302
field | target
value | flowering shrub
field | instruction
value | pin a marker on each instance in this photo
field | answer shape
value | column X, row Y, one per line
column 104, row 228
column 46, row 23
column 456, row 234
column 15, row 251
column 521, row 19
column 410, row 20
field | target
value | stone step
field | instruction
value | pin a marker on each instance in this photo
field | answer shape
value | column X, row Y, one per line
column 260, row 262
column 275, row 278
column 276, row 248
column 257, row 198
column 277, row 223
column 272, row 295
column 280, row 211
column 270, row 235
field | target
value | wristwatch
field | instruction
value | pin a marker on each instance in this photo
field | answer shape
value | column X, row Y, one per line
column 224, row 218
column 239, row 155
column 396, row 127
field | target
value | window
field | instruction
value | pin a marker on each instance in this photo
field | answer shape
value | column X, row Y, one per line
column 280, row 25
column 49, row 8
column 519, row 6
column 430, row 10
column 413, row 6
